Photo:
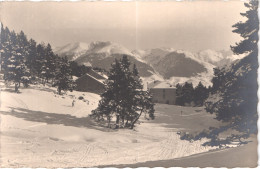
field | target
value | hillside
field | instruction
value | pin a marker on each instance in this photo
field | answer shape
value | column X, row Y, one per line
column 178, row 65
column 102, row 61
column 102, row 54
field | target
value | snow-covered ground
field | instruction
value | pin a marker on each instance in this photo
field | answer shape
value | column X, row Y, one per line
column 41, row 129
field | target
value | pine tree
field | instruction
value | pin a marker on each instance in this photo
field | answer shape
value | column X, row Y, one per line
column 24, row 45
column 143, row 104
column 200, row 94
column 234, row 98
column 63, row 78
column 179, row 93
column 22, row 41
column 5, row 47
column 142, row 100
column 123, row 97
column 34, row 60
column 248, row 30
column 40, row 60
column 43, row 63
column 31, row 61
column 78, row 70
column 50, row 63
column 185, row 95
column 15, row 69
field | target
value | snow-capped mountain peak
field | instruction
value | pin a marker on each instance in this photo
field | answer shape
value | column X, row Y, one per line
column 77, row 47
column 108, row 48
column 76, row 50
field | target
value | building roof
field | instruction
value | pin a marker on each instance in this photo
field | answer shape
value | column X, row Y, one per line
column 160, row 84
column 94, row 75
column 98, row 80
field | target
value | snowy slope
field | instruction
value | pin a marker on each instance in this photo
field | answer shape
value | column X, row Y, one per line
column 42, row 129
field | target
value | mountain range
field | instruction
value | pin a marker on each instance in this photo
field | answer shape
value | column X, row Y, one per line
column 164, row 64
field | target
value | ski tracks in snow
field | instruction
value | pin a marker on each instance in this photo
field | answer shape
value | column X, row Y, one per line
column 84, row 154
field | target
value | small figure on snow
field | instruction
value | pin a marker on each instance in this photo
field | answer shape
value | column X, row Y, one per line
column 181, row 112
column 73, row 103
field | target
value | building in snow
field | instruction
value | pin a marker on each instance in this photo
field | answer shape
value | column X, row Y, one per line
column 162, row 92
column 91, row 82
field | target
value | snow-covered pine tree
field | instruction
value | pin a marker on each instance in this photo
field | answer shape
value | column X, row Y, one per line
column 50, row 63
column 31, row 61
column 39, row 59
column 24, row 49
column 15, row 69
column 63, row 79
column 5, row 42
column 22, row 41
column 41, row 62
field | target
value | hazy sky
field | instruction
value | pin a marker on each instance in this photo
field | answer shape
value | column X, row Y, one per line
column 192, row 26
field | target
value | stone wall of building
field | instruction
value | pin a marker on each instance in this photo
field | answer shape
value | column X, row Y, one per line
column 164, row 95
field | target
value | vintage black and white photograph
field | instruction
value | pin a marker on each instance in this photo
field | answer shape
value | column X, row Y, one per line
column 128, row 84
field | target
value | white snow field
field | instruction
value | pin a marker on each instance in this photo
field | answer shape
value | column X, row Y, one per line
column 41, row 129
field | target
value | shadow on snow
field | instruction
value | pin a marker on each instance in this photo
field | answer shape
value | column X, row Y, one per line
column 53, row 118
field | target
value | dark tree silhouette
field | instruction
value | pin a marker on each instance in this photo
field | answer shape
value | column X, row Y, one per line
column 24, row 61
column 124, row 98
column 234, row 95
column 201, row 93
column 13, row 54
column 63, row 79
column 184, row 94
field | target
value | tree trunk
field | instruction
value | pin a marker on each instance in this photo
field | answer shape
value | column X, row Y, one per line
column 126, row 124
column 117, row 121
column 109, row 119
column 123, row 120
column 98, row 117
column 16, row 88
column 135, row 120
column 59, row 90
